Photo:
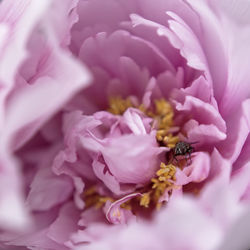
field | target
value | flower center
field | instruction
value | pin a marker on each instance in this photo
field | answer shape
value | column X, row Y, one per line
column 160, row 187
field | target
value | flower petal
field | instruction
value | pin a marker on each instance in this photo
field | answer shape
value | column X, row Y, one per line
column 197, row 172
column 65, row 224
column 48, row 190
column 231, row 86
column 204, row 134
column 203, row 112
column 108, row 179
column 94, row 52
column 117, row 215
column 20, row 19
column 238, row 128
column 132, row 159
column 13, row 214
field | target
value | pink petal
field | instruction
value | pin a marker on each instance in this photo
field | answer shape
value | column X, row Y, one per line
column 237, row 236
column 66, row 16
column 48, row 190
column 220, row 186
column 203, row 112
column 130, row 156
column 93, row 233
column 212, row 40
column 37, row 240
column 168, row 81
column 106, row 51
column 156, row 11
column 40, row 110
column 238, row 127
column 240, row 182
column 244, row 156
column 25, row 115
column 147, row 29
column 98, row 89
column 20, row 19
column 197, row 172
column 108, row 179
column 199, row 88
column 117, row 215
column 231, row 86
column 13, row 214
column 79, row 188
column 131, row 74
column 134, row 121
column 66, row 224
column 204, row 134
column 109, row 14
column 189, row 45
column 183, row 217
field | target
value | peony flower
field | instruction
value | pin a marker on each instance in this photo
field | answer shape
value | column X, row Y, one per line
column 124, row 124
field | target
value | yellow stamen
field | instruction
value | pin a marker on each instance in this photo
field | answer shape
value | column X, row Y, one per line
column 102, row 200
column 142, row 108
column 164, row 114
column 161, row 134
column 118, row 106
column 90, row 191
column 92, row 198
column 164, row 182
column 162, row 107
column 126, row 205
column 170, row 141
column 145, row 199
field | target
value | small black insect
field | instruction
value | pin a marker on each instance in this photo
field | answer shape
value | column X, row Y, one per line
column 183, row 148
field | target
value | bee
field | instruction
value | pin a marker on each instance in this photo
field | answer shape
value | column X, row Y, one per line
column 185, row 149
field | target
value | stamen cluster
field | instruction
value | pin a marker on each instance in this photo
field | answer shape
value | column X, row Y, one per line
column 163, row 182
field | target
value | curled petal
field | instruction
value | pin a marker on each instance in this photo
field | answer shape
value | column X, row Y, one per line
column 202, row 112
column 203, row 133
column 117, row 215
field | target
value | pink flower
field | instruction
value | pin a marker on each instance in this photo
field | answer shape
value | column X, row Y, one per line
column 95, row 96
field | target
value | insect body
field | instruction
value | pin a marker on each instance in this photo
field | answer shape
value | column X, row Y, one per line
column 183, row 148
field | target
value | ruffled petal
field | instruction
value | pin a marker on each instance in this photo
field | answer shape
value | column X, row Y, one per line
column 226, row 19
column 204, row 134
column 122, row 44
column 201, row 111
